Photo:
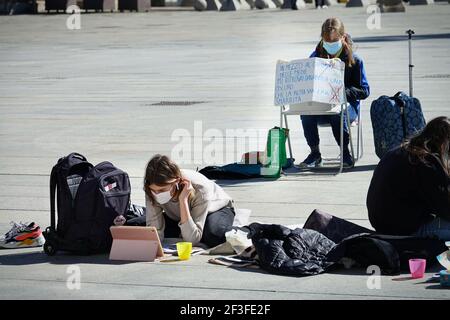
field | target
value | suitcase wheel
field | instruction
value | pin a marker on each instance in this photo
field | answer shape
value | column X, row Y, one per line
column 50, row 248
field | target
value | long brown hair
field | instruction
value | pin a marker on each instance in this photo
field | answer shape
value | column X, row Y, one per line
column 434, row 141
column 336, row 25
column 160, row 170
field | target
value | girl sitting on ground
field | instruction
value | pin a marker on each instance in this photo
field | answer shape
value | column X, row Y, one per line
column 186, row 204
column 410, row 189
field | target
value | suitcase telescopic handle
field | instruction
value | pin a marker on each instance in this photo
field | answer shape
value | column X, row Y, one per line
column 410, row 32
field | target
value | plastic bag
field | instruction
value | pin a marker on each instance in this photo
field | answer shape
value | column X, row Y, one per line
column 238, row 240
column 242, row 217
column 444, row 257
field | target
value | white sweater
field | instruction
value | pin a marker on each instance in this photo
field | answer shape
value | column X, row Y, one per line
column 209, row 197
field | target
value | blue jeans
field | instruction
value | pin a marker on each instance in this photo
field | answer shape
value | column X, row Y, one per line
column 438, row 228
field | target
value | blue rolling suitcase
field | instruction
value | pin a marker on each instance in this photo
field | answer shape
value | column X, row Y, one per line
column 395, row 119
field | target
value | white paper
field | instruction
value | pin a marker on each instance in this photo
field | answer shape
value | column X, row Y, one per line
column 444, row 259
column 310, row 80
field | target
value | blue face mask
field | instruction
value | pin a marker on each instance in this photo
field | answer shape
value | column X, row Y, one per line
column 332, row 47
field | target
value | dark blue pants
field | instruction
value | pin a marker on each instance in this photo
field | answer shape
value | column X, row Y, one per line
column 320, row 3
column 311, row 130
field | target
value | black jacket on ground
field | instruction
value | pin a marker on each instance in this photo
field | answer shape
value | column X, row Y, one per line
column 304, row 252
column 298, row 252
column 404, row 196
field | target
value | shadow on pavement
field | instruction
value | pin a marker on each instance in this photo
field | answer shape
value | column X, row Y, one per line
column 436, row 286
column 356, row 271
column 338, row 271
column 297, row 172
column 403, row 276
column 327, row 170
column 223, row 182
column 30, row 258
column 369, row 167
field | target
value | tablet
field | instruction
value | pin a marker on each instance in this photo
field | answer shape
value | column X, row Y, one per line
column 135, row 243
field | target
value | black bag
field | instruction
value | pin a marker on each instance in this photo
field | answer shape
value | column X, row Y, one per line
column 390, row 253
column 334, row 228
column 89, row 198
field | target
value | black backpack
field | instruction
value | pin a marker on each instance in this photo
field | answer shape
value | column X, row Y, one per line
column 89, row 198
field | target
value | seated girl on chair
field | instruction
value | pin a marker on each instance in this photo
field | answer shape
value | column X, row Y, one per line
column 335, row 43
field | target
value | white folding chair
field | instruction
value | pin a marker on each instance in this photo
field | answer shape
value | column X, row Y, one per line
column 359, row 137
column 314, row 108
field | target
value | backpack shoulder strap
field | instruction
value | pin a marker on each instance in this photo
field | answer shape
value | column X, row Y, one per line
column 53, row 183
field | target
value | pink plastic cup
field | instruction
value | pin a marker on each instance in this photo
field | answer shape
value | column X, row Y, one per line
column 417, row 267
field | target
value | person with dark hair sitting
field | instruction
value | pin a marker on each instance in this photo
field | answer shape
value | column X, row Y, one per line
column 410, row 189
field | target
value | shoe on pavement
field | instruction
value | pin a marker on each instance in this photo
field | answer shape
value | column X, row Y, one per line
column 22, row 236
column 348, row 160
column 314, row 159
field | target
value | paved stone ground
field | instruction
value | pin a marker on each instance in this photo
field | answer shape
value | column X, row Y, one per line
column 94, row 91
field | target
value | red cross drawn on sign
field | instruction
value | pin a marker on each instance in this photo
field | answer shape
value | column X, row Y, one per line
column 335, row 91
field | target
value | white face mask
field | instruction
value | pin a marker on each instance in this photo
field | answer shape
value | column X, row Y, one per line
column 163, row 197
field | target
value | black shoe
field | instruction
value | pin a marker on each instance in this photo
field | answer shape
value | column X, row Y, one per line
column 313, row 160
column 348, row 160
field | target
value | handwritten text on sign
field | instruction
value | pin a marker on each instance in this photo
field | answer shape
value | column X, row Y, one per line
column 310, row 80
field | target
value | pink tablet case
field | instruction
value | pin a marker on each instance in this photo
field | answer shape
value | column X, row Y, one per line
column 135, row 243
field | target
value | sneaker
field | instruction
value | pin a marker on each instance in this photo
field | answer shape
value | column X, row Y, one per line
column 324, row 6
column 348, row 160
column 22, row 236
column 314, row 159
column 15, row 227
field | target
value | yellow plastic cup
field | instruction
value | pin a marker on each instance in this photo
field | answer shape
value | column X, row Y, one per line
column 184, row 250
